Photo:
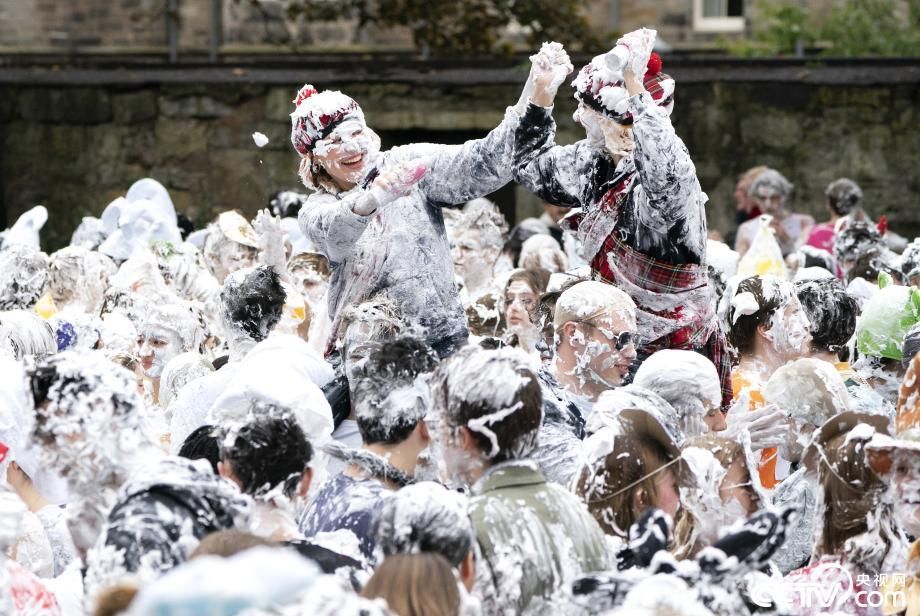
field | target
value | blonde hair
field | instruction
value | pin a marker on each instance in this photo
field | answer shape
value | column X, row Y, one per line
column 751, row 174
column 421, row 584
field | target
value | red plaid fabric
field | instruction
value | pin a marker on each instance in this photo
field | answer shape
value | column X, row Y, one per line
column 659, row 276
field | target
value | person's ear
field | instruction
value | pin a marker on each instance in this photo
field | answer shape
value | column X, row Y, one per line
column 423, row 431
column 640, row 499
column 763, row 331
column 304, row 486
column 468, row 571
column 568, row 332
column 467, row 440
column 224, row 469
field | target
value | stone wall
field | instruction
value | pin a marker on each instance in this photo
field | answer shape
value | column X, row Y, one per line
column 74, row 140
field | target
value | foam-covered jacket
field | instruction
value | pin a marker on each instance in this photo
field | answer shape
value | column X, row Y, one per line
column 401, row 251
column 161, row 516
column 533, row 539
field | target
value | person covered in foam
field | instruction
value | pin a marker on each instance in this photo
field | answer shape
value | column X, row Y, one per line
column 390, row 401
column 427, row 517
column 642, row 222
column 487, row 408
column 165, row 332
column 43, row 545
column 690, row 384
column 145, row 213
column 232, row 244
column 767, row 327
column 832, row 314
column 377, row 215
column 771, row 190
column 720, row 489
column 23, row 276
column 78, row 278
column 251, row 305
column 594, row 345
column 477, row 236
column 268, row 456
column 809, row 391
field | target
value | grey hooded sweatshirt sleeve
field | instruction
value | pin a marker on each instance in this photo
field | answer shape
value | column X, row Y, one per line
column 401, row 250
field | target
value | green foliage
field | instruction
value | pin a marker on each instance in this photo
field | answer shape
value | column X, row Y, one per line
column 873, row 27
column 777, row 27
column 453, row 27
column 851, row 28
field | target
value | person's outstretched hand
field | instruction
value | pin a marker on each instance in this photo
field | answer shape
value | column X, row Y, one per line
column 392, row 184
column 271, row 240
column 549, row 68
column 767, row 425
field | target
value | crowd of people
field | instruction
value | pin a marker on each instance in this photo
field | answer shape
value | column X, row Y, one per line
column 376, row 398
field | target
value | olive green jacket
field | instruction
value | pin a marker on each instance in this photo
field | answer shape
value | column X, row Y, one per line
column 533, row 539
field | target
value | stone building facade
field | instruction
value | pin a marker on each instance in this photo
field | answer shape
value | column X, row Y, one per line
column 140, row 25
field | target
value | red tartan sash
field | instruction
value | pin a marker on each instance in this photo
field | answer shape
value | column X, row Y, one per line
column 650, row 274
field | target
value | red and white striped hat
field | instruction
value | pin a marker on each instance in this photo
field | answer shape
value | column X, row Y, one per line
column 316, row 114
column 604, row 91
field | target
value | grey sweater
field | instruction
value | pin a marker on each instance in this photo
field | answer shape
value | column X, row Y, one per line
column 401, row 251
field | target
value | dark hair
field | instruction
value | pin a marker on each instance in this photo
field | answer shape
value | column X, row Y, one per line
column 256, row 303
column 869, row 266
column 202, row 444
column 537, row 279
column 390, row 367
column 911, row 346
column 271, row 449
column 520, row 233
column 843, row 196
column 743, row 328
column 287, row 203
column 459, row 389
column 817, row 257
column 186, row 225
column 72, row 387
column 857, row 240
column 831, row 312
column 484, row 317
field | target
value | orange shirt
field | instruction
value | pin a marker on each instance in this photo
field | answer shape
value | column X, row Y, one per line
column 767, row 467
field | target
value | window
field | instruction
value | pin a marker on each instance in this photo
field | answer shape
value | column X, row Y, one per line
column 718, row 15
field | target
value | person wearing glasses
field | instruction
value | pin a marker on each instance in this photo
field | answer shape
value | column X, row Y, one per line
column 593, row 347
column 641, row 217
column 595, row 342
